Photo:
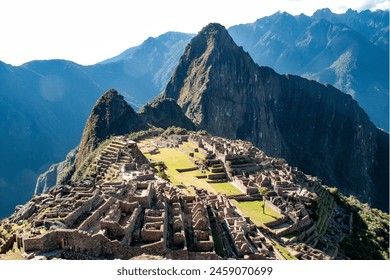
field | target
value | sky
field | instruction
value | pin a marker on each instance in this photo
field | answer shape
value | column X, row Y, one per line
column 89, row 31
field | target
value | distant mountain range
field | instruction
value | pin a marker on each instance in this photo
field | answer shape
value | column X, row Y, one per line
column 349, row 51
column 45, row 104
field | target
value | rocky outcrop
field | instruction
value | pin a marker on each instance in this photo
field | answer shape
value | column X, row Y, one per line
column 24, row 212
column 56, row 173
column 165, row 113
column 111, row 115
column 316, row 127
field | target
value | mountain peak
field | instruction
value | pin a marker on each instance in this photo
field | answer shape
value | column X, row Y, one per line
column 213, row 29
column 111, row 115
column 205, row 55
column 322, row 12
column 211, row 36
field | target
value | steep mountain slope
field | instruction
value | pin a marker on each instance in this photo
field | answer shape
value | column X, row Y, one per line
column 349, row 51
column 165, row 113
column 111, row 115
column 56, row 173
column 316, row 127
column 43, row 107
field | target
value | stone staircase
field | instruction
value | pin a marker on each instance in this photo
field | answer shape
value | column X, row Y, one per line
column 110, row 160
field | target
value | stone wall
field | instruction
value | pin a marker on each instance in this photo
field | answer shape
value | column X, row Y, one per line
column 48, row 242
column 203, row 256
column 88, row 205
column 272, row 206
column 181, row 170
column 97, row 215
column 276, row 222
column 145, row 199
column 216, row 176
column 205, row 245
column 152, row 232
column 7, row 245
column 288, row 230
column 179, row 239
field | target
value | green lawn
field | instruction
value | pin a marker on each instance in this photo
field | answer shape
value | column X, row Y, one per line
column 187, row 146
column 173, row 158
column 176, row 159
column 225, row 188
column 254, row 210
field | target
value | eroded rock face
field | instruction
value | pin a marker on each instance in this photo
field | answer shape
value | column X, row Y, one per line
column 24, row 212
column 165, row 113
column 55, row 174
column 313, row 126
column 111, row 115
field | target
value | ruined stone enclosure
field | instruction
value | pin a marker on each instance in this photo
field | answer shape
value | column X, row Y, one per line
column 123, row 208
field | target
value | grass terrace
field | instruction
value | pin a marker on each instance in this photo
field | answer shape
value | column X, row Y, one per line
column 189, row 147
column 225, row 188
column 254, row 210
column 175, row 159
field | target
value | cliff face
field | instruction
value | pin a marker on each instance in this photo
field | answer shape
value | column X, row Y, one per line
column 316, row 127
column 165, row 113
column 55, row 174
column 111, row 115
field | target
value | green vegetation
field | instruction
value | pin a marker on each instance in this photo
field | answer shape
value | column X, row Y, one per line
column 161, row 171
column 325, row 207
column 225, row 188
column 189, row 147
column 85, row 168
column 370, row 234
column 254, row 210
column 175, row 130
column 175, row 159
column 286, row 254
column 263, row 191
column 145, row 133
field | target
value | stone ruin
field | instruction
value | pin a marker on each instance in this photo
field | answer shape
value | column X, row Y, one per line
column 125, row 209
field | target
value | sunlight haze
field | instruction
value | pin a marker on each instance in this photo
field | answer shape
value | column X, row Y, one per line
column 89, row 31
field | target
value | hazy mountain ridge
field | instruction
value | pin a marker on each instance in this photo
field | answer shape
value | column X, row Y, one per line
column 331, row 48
column 142, row 71
column 373, row 25
column 40, row 122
